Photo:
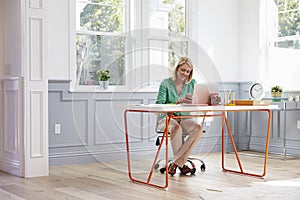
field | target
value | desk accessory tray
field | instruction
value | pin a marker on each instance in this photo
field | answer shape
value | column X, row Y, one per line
column 246, row 102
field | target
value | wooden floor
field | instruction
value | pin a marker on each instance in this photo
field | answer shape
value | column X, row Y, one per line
column 110, row 181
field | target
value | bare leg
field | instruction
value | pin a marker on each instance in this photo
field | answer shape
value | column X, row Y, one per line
column 194, row 132
column 176, row 133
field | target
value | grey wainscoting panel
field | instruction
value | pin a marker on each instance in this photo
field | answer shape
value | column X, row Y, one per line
column 258, row 130
column 292, row 136
column 291, row 125
column 109, row 122
column 71, row 115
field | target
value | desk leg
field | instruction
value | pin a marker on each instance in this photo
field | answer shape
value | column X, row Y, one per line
column 164, row 138
column 284, row 132
column 267, row 142
column 225, row 122
column 127, row 145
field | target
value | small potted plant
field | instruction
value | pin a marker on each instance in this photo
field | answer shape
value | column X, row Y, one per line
column 276, row 92
column 103, row 78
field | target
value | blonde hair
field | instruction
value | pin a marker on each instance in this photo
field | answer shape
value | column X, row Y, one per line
column 181, row 61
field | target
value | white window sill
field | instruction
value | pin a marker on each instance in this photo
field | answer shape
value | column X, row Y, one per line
column 111, row 89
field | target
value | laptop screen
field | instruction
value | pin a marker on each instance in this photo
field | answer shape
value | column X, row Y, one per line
column 202, row 93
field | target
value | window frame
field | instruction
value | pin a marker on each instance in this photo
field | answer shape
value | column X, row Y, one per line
column 274, row 21
column 273, row 57
column 133, row 81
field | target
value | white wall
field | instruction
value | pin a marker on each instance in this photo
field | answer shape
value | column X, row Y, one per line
column 249, row 40
column 284, row 68
column 58, row 39
column 12, row 37
column 10, row 92
column 219, row 35
column 1, row 74
column 1, row 37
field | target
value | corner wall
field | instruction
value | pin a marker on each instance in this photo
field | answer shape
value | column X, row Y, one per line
column 1, row 38
column 12, row 38
column 11, row 87
column 1, row 75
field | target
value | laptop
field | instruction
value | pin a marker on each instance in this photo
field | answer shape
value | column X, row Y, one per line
column 203, row 92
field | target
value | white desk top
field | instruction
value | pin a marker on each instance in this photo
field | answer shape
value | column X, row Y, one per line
column 195, row 108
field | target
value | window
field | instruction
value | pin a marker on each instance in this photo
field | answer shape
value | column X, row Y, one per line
column 288, row 31
column 165, row 46
column 282, row 62
column 138, row 41
column 99, row 40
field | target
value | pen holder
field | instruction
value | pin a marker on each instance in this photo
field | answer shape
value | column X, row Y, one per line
column 229, row 98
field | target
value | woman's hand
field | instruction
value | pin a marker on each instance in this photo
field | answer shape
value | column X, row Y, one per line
column 187, row 99
column 180, row 100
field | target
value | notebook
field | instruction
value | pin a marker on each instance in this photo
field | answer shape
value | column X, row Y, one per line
column 203, row 92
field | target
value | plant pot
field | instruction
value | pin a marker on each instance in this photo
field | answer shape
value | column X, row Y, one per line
column 276, row 96
column 103, row 85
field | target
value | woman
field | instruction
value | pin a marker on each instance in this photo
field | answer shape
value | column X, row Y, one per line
column 178, row 89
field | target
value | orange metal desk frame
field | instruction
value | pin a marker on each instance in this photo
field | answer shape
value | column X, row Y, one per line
column 222, row 111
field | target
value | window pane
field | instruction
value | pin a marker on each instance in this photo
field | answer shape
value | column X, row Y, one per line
column 288, row 24
column 99, row 16
column 158, row 61
column 292, row 4
column 165, row 46
column 281, row 5
column 99, row 45
column 292, row 43
column 177, row 50
column 168, row 14
column 100, row 52
column 163, row 57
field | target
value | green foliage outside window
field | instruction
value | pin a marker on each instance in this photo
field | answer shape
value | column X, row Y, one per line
column 107, row 16
column 289, row 22
column 176, row 28
column 97, row 50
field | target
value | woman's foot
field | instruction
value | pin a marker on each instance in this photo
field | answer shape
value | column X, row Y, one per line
column 172, row 169
column 185, row 169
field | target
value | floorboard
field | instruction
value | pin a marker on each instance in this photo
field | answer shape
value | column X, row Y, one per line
column 102, row 181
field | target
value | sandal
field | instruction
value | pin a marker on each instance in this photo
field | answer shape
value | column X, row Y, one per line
column 172, row 169
column 185, row 169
